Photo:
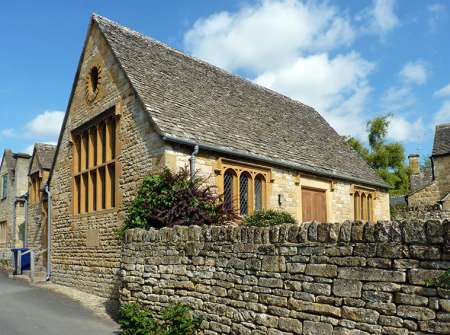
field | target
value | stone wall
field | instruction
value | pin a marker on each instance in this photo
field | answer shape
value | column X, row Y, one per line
column 421, row 213
column 348, row 278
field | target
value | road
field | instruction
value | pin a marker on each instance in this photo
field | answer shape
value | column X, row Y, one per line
column 25, row 309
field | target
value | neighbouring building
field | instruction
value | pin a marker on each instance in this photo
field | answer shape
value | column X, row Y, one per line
column 13, row 188
column 138, row 106
column 431, row 186
column 39, row 170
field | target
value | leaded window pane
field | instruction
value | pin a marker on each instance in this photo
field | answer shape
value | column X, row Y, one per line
column 228, row 189
column 243, row 201
column 258, row 193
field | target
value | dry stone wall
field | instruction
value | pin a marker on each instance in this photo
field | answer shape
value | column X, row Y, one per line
column 349, row 278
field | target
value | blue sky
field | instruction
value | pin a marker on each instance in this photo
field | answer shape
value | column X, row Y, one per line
column 351, row 60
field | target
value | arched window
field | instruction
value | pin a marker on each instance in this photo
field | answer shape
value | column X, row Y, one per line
column 363, row 201
column 259, row 184
column 243, row 194
column 357, row 207
column 363, row 207
column 228, row 183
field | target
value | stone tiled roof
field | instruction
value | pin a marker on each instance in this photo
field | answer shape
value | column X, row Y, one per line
column 45, row 154
column 195, row 101
column 10, row 161
column 441, row 144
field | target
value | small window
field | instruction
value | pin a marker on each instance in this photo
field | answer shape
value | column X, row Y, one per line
column 94, row 78
column 244, row 187
column 259, row 193
column 243, row 190
column 363, row 205
column 228, row 189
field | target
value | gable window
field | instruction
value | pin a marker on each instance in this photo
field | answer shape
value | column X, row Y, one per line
column 95, row 165
column 4, row 181
column 363, row 204
column 243, row 186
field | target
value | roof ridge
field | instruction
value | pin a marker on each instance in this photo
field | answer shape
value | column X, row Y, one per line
column 97, row 18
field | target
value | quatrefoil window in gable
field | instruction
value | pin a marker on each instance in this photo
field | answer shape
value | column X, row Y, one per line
column 93, row 82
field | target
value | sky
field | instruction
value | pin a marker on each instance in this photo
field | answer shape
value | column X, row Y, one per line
column 350, row 60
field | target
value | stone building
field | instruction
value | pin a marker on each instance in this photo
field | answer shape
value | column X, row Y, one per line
column 137, row 106
column 13, row 186
column 431, row 186
column 39, row 170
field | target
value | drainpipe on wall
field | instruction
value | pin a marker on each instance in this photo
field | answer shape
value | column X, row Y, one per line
column 25, row 234
column 193, row 158
column 13, row 239
column 49, row 231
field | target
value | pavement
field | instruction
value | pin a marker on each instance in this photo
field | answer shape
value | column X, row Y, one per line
column 26, row 309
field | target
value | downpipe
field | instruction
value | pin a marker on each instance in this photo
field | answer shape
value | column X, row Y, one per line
column 49, row 231
column 193, row 159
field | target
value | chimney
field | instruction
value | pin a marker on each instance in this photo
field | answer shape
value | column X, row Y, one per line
column 414, row 163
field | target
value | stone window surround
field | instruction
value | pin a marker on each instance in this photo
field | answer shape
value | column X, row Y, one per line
column 100, row 163
column 363, row 211
column 253, row 171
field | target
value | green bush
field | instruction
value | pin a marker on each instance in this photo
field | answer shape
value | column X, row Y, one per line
column 175, row 320
column 170, row 199
column 269, row 218
column 136, row 320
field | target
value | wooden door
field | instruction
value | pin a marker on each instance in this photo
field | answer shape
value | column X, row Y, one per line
column 314, row 205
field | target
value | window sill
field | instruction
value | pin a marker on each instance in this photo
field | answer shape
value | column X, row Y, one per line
column 96, row 213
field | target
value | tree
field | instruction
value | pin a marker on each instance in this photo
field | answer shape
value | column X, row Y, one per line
column 388, row 159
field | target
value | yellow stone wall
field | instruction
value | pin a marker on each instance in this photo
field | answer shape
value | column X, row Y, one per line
column 288, row 183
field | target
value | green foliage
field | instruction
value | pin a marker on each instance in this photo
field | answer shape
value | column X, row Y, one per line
column 388, row 159
column 170, row 199
column 175, row 320
column 136, row 320
column 179, row 320
column 269, row 218
column 441, row 281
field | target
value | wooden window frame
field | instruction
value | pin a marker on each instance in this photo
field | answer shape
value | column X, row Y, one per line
column 95, row 164
column 253, row 171
column 363, row 203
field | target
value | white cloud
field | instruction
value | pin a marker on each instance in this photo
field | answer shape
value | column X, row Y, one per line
column 443, row 114
column 380, row 18
column 47, row 124
column 443, row 92
column 8, row 133
column 437, row 12
column 403, row 130
column 397, row 99
column 415, row 73
column 336, row 87
column 268, row 35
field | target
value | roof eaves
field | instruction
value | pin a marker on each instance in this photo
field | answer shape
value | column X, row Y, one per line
column 294, row 166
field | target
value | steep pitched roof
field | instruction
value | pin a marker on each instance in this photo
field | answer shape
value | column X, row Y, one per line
column 194, row 102
column 441, row 144
column 44, row 154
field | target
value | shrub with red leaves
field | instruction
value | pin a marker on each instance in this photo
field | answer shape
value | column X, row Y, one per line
column 171, row 199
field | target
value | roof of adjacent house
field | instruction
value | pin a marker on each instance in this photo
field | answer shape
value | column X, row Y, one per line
column 193, row 101
column 441, row 144
column 10, row 159
column 45, row 154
